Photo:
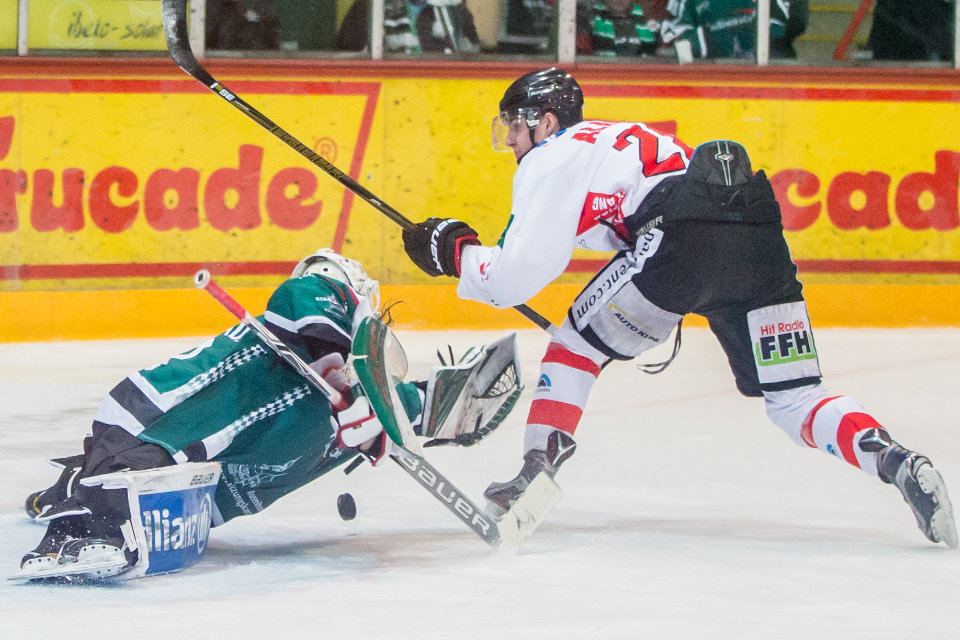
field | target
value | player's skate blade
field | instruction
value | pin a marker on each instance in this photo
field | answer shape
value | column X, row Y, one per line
column 942, row 524
column 88, row 560
column 528, row 511
column 922, row 489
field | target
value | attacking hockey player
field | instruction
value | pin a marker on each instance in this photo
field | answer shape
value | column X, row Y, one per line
column 227, row 428
column 695, row 232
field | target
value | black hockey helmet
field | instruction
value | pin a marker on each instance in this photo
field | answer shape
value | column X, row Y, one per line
column 533, row 94
column 550, row 90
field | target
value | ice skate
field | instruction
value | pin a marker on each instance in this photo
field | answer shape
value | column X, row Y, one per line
column 923, row 489
column 62, row 557
column 502, row 495
column 45, row 555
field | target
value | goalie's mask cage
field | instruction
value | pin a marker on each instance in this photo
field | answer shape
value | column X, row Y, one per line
column 329, row 263
column 533, row 94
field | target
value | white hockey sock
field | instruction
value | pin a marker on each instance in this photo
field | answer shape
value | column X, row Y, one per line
column 813, row 417
column 835, row 425
column 566, row 378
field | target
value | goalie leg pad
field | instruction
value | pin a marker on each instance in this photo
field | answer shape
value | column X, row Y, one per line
column 172, row 511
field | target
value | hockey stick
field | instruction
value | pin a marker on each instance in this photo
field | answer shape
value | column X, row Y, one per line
column 512, row 529
column 178, row 43
column 204, row 281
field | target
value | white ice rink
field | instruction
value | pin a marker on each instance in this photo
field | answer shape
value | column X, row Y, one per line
column 686, row 515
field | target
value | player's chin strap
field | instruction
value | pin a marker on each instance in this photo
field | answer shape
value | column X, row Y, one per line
column 533, row 143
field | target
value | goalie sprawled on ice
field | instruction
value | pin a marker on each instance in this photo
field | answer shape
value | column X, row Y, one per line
column 227, row 428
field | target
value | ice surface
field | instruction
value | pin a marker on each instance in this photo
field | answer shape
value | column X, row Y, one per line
column 686, row 515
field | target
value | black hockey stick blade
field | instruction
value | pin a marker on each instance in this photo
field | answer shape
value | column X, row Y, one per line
column 174, row 13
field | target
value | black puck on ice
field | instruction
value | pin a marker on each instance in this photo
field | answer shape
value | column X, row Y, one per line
column 346, row 506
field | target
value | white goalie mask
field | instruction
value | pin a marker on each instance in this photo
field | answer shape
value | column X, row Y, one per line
column 327, row 262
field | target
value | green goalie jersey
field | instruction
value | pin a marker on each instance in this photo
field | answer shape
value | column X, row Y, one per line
column 231, row 399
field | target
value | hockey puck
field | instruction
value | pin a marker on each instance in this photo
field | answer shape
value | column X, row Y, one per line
column 346, row 506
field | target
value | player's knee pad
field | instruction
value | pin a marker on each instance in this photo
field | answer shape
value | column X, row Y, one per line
column 569, row 338
column 611, row 313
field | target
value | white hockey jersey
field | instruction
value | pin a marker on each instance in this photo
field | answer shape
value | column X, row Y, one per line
column 573, row 190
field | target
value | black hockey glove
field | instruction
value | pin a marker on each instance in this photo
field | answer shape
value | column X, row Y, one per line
column 435, row 245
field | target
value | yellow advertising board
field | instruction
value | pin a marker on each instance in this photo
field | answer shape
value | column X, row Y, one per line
column 866, row 193
column 127, row 25
column 137, row 186
column 113, row 183
column 9, row 19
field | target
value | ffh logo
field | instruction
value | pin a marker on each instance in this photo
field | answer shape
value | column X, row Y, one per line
column 784, row 342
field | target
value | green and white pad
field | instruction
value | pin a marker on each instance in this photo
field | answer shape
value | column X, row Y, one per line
column 466, row 401
column 380, row 363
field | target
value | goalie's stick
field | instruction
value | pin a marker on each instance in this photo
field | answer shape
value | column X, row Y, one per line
column 178, row 43
column 513, row 528
column 204, row 281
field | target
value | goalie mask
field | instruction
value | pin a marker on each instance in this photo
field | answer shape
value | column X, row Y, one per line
column 326, row 262
column 530, row 96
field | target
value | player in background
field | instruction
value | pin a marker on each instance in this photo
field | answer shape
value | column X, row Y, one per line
column 694, row 233
column 232, row 400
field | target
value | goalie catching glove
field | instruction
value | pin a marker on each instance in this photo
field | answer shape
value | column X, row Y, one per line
column 436, row 244
column 460, row 405
column 466, row 401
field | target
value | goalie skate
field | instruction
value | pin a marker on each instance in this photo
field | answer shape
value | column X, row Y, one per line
column 78, row 561
column 39, row 503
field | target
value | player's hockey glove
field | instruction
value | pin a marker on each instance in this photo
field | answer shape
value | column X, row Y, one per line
column 435, row 245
